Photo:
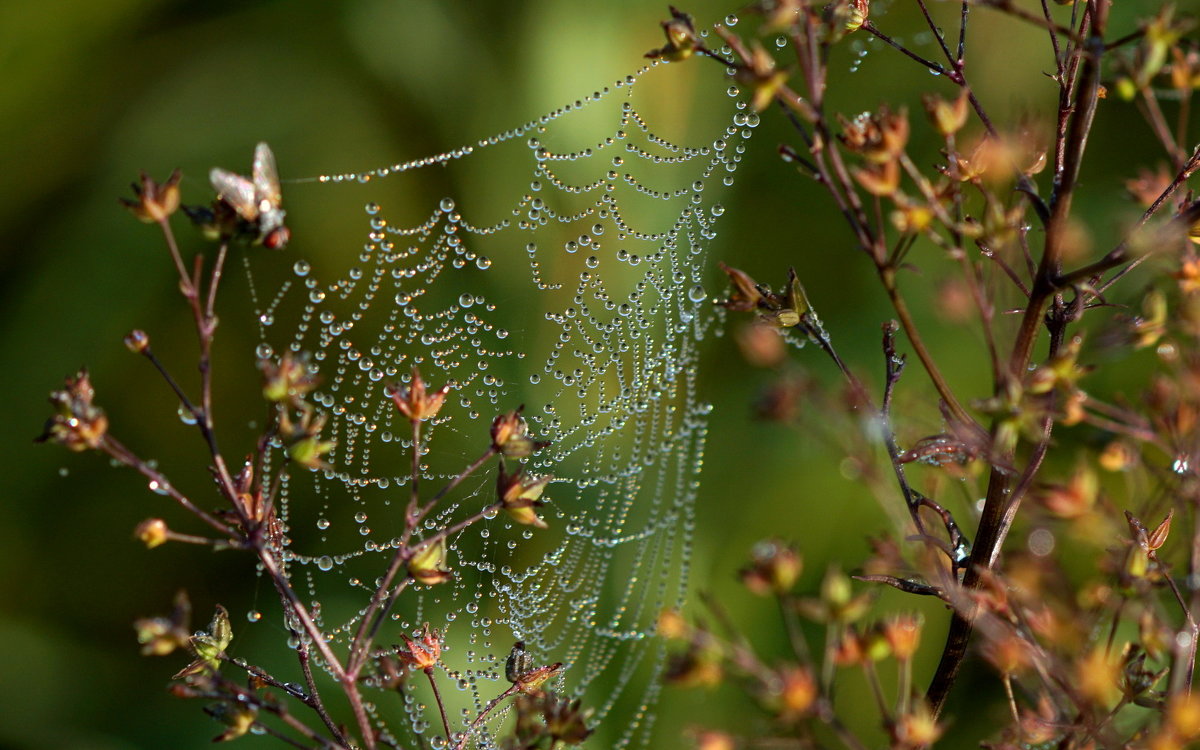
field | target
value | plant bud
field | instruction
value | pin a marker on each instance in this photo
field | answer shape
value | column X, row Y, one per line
column 774, row 568
column 79, row 424
column 137, row 341
column 422, row 652
column 154, row 202
column 948, row 117
column 520, row 494
column 428, row 565
column 152, row 532
column 414, row 402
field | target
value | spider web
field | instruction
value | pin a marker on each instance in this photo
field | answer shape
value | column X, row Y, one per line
column 584, row 302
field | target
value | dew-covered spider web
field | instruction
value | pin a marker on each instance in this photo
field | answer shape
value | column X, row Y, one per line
column 582, row 299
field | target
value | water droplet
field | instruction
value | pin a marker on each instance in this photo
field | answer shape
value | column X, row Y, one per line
column 325, row 562
column 697, row 294
column 301, row 267
column 447, row 205
column 253, row 615
column 185, row 415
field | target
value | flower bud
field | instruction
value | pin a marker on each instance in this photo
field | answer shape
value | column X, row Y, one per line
column 798, row 692
column 154, row 202
column 79, row 424
column 566, row 721
column 239, row 718
column 916, row 729
column 948, row 117
column 137, row 341
column 681, row 36
column 289, row 379
column 773, row 569
column 520, row 494
column 903, row 634
column 428, row 565
column 152, row 532
column 746, row 295
column 422, row 652
column 209, row 646
column 671, row 625
column 510, row 436
column 414, row 402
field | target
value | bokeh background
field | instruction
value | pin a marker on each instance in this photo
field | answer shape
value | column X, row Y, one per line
column 93, row 90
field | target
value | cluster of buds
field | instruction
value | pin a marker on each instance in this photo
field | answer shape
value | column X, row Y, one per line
column 682, row 40
column 415, row 402
column 1159, row 52
column 78, row 424
column 520, row 496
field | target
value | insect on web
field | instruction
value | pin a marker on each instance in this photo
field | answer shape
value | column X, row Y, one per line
column 584, row 302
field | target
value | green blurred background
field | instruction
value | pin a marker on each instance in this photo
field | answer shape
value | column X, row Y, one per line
column 93, row 90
